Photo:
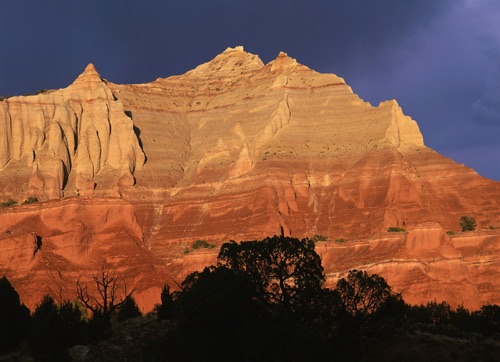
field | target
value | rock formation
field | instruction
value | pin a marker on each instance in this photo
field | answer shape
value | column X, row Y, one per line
column 235, row 149
column 66, row 140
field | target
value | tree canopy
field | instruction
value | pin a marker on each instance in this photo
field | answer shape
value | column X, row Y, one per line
column 361, row 294
column 283, row 270
column 54, row 329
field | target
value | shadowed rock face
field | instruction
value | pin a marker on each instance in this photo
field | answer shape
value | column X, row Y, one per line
column 234, row 149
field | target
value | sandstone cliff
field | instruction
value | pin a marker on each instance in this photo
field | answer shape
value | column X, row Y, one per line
column 63, row 142
column 235, row 149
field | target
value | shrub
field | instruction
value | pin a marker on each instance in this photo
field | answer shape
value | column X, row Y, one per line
column 8, row 203
column 467, row 223
column 198, row 244
column 395, row 229
column 30, row 200
column 492, row 227
column 450, row 232
column 202, row 244
column 340, row 240
column 317, row 237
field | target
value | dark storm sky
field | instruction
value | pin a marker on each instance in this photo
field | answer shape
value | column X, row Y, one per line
column 440, row 59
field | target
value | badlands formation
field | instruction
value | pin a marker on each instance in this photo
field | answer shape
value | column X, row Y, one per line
column 129, row 176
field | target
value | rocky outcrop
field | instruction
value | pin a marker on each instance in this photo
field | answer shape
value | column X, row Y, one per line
column 69, row 139
column 238, row 149
column 424, row 264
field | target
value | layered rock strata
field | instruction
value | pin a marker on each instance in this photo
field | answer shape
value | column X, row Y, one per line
column 238, row 149
column 61, row 143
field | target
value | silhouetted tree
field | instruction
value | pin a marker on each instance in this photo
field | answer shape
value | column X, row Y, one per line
column 284, row 271
column 128, row 309
column 488, row 320
column 14, row 317
column 54, row 329
column 111, row 293
column 433, row 313
column 265, row 301
column 215, row 304
column 261, row 295
column 362, row 295
column 165, row 310
column 461, row 318
column 439, row 313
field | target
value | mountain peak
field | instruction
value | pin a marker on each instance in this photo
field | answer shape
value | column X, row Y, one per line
column 283, row 63
column 238, row 48
column 232, row 61
column 89, row 76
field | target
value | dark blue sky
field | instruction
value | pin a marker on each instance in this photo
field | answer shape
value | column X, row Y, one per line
column 440, row 59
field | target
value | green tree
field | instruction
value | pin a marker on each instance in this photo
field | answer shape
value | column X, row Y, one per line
column 467, row 223
column 14, row 317
column 54, row 329
column 284, row 271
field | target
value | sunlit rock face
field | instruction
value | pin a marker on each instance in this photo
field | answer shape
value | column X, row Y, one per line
column 235, row 149
column 68, row 142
